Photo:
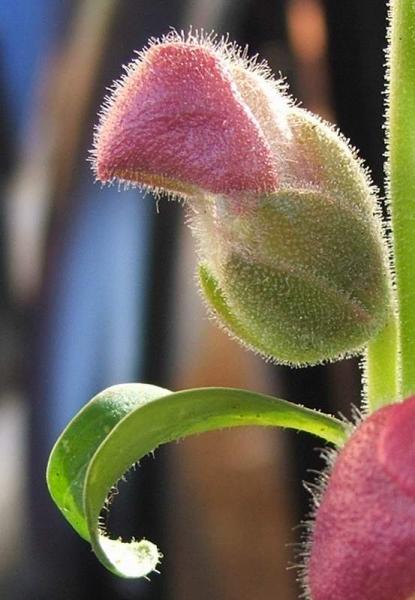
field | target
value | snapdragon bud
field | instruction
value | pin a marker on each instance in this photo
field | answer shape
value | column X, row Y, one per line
column 292, row 260
column 363, row 543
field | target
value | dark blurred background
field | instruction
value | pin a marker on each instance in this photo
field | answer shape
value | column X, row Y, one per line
column 97, row 288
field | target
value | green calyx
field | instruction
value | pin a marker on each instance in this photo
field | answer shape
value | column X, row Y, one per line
column 306, row 283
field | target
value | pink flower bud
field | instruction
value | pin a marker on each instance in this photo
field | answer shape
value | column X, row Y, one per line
column 363, row 543
column 292, row 260
column 177, row 122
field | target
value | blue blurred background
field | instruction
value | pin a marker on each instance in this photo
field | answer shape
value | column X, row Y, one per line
column 98, row 288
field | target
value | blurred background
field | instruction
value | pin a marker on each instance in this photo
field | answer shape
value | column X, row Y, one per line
column 98, row 288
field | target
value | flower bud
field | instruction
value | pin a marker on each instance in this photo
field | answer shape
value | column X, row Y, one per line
column 363, row 543
column 292, row 259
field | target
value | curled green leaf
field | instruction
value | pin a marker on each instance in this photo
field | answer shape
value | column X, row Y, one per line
column 124, row 423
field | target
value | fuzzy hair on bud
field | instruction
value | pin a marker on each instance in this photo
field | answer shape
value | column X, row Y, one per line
column 363, row 543
column 177, row 122
column 291, row 251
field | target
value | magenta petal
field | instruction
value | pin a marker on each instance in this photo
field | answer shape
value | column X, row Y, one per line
column 397, row 446
column 363, row 543
column 177, row 122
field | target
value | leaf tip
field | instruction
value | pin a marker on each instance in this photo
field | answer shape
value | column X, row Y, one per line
column 131, row 560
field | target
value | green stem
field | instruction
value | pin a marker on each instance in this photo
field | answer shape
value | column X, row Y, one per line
column 401, row 171
column 381, row 367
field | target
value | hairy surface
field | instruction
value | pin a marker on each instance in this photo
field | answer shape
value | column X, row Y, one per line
column 363, row 543
column 283, row 213
column 177, row 117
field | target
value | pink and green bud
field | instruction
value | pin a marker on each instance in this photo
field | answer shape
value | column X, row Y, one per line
column 292, row 260
column 363, row 542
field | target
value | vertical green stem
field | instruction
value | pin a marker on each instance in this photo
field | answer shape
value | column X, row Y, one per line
column 401, row 171
column 381, row 367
